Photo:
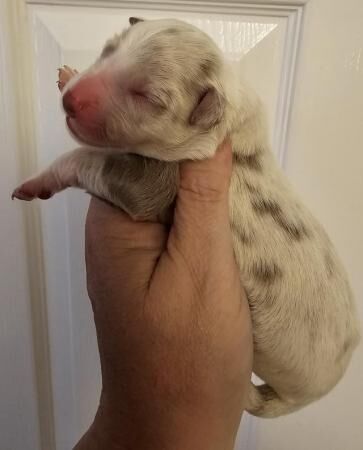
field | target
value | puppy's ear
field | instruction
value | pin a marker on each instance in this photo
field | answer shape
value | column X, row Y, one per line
column 133, row 20
column 209, row 109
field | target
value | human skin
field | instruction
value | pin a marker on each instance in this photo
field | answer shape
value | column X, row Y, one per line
column 172, row 321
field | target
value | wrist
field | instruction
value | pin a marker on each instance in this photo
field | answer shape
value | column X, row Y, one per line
column 173, row 432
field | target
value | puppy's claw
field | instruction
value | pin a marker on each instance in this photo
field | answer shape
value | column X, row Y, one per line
column 20, row 194
column 60, row 85
column 30, row 190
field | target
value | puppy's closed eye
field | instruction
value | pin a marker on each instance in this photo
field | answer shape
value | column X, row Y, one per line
column 139, row 94
column 146, row 97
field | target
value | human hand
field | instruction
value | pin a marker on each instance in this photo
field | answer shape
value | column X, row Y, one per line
column 172, row 320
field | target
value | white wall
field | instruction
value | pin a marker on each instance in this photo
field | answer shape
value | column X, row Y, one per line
column 325, row 162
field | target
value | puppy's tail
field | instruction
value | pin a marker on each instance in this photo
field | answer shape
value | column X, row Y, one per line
column 263, row 401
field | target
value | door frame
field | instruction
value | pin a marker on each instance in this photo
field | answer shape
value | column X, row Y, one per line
column 16, row 37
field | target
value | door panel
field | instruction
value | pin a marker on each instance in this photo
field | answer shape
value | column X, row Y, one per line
column 74, row 36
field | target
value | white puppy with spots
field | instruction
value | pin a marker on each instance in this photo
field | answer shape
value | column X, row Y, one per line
column 162, row 92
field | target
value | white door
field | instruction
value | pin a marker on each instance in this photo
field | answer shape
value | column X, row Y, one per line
column 305, row 59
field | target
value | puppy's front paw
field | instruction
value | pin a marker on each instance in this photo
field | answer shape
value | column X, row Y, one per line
column 65, row 73
column 42, row 187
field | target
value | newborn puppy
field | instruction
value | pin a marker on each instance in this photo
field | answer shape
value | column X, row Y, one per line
column 160, row 93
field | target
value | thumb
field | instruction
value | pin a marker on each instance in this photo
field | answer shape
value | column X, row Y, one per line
column 202, row 206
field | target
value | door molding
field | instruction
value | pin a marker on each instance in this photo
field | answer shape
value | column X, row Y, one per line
column 19, row 42
column 15, row 37
column 167, row 4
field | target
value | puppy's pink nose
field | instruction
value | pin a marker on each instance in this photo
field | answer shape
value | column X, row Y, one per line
column 85, row 95
column 70, row 104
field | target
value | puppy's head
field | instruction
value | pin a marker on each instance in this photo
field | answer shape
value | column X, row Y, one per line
column 155, row 86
